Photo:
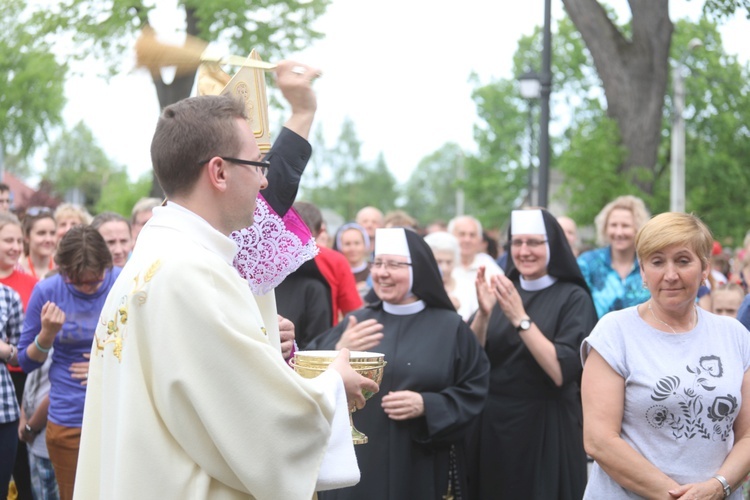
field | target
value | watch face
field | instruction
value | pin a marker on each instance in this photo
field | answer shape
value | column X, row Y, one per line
column 524, row 325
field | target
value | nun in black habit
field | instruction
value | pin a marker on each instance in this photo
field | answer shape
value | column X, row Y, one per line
column 532, row 322
column 434, row 385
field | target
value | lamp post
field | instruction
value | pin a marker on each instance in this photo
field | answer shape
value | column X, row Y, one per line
column 677, row 163
column 530, row 88
column 545, row 79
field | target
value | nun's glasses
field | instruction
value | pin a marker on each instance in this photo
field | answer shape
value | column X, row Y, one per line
column 529, row 243
column 388, row 265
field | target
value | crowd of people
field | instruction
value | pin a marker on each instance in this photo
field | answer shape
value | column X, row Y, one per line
column 149, row 355
column 56, row 269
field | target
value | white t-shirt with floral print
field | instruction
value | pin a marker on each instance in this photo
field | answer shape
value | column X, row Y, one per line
column 682, row 393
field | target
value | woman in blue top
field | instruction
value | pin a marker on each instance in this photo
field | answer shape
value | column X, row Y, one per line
column 612, row 272
column 63, row 313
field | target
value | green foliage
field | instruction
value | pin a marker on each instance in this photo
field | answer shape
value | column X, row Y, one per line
column 343, row 182
column 32, row 81
column 722, row 9
column 591, row 168
column 717, row 145
column 431, row 188
column 119, row 194
column 105, row 29
column 75, row 161
column 497, row 176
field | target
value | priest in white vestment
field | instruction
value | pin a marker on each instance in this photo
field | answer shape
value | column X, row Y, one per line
column 187, row 397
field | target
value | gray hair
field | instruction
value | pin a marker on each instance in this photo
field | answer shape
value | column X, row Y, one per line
column 441, row 241
column 455, row 220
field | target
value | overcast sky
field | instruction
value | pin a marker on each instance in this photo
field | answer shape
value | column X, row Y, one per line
column 398, row 69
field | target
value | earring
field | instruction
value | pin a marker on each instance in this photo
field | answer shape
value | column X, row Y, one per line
column 645, row 285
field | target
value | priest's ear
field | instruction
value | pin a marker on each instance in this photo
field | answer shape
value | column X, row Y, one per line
column 215, row 172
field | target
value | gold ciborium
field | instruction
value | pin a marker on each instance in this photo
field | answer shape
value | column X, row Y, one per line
column 310, row 364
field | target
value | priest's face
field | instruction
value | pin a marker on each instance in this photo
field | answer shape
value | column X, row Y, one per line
column 391, row 279
column 529, row 253
column 244, row 181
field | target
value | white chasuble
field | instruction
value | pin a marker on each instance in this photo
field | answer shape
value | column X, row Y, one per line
column 187, row 398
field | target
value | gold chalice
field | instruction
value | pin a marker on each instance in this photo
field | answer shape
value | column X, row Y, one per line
column 310, row 364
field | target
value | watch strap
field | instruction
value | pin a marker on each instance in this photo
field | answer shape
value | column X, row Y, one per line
column 724, row 484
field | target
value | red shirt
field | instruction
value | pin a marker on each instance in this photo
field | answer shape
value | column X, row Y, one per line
column 22, row 283
column 336, row 270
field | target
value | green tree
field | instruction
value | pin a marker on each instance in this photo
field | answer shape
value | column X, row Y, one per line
column 106, row 30
column 76, row 162
column 717, row 134
column 717, row 113
column 119, row 194
column 32, row 99
column 432, row 186
column 589, row 150
column 497, row 176
column 344, row 182
column 633, row 64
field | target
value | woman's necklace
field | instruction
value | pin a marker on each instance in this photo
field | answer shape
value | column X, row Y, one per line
column 695, row 310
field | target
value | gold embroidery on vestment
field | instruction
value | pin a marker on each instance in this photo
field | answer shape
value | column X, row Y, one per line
column 116, row 325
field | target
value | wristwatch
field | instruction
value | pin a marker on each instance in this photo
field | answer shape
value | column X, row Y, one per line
column 28, row 429
column 524, row 325
column 724, row 484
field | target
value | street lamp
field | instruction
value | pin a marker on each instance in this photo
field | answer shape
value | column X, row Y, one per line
column 677, row 163
column 531, row 89
column 545, row 79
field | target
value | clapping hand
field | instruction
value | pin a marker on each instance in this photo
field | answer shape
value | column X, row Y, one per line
column 360, row 336
column 508, row 298
column 485, row 298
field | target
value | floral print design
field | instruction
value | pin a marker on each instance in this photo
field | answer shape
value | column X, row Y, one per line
column 697, row 406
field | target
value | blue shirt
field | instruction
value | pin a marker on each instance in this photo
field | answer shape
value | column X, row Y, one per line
column 82, row 311
column 744, row 313
column 609, row 291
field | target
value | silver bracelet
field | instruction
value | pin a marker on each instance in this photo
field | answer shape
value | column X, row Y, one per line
column 724, row 485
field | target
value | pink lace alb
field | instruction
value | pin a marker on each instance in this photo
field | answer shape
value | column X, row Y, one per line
column 272, row 248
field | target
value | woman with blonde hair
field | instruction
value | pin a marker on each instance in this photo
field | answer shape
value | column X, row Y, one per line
column 68, row 215
column 611, row 272
column 666, row 384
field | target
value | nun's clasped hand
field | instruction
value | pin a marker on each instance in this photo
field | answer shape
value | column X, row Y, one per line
column 360, row 336
column 508, row 298
column 403, row 405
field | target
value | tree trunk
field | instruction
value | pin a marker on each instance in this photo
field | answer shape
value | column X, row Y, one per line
column 634, row 75
column 179, row 89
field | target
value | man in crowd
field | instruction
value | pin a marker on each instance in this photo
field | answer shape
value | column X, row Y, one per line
column 371, row 219
column 6, row 197
column 181, row 327
column 571, row 232
column 141, row 213
column 115, row 229
column 468, row 231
